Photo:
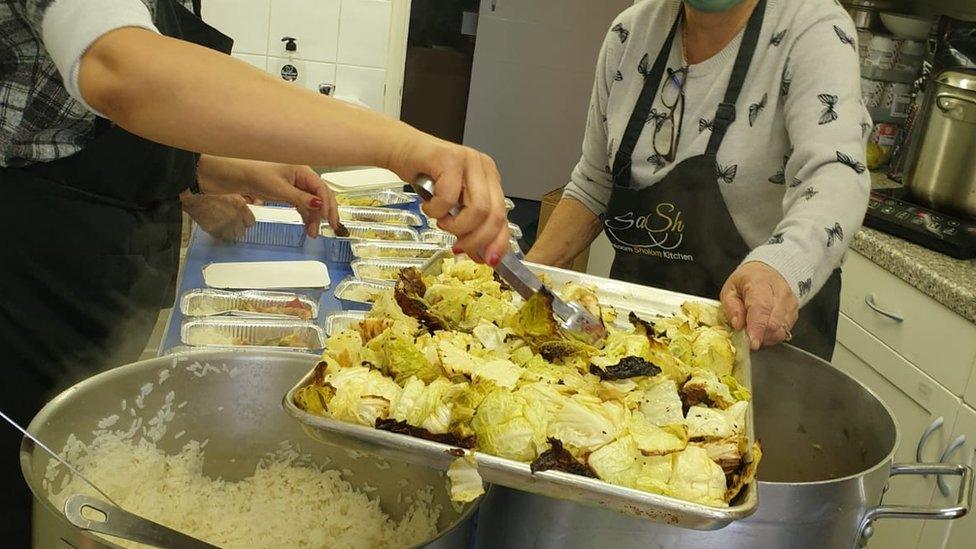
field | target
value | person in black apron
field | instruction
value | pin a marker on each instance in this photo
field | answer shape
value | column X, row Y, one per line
column 96, row 278
column 691, row 188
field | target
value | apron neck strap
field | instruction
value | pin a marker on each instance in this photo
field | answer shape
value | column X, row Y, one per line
column 638, row 119
column 725, row 114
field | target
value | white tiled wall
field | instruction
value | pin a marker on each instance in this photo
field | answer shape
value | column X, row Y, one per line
column 343, row 42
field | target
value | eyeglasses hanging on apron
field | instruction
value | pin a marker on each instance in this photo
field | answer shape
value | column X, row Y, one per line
column 678, row 233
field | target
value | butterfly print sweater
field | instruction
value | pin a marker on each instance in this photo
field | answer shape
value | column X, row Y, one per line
column 792, row 162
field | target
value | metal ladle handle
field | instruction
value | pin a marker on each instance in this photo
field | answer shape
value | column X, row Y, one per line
column 116, row 522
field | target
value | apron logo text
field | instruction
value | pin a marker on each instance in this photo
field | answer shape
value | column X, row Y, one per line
column 657, row 234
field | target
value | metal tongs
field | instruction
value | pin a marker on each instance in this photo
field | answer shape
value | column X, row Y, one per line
column 573, row 318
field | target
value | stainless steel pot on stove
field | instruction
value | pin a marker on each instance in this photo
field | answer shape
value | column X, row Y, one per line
column 240, row 413
column 940, row 169
column 828, row 445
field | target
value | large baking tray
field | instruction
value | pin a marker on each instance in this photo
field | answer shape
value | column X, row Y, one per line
column 210, row 302
column 644, row 301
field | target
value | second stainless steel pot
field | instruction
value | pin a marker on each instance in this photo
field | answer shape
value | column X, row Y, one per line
column 233, row 399
column 828, row 444
column 940, row 169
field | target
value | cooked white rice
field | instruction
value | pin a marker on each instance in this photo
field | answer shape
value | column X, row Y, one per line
column 286, row 502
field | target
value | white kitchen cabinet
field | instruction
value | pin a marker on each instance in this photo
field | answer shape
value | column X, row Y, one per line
column 960, row 533
column 916, row 401
column 970, row 396
column 938, row 341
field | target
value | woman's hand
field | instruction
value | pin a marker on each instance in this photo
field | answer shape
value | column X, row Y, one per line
column 758, row 298
column 223, row 216
column 299, row 186
column 463, row 176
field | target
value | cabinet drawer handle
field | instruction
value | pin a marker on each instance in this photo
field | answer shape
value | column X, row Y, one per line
column 946, row 454
column 869, row 301
column 933, row 427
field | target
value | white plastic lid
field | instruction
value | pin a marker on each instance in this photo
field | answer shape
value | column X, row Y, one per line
column 276, row 215
column 362, row 180
column 267, row 275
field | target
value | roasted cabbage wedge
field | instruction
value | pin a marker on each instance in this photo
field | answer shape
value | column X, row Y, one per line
column 460, row 359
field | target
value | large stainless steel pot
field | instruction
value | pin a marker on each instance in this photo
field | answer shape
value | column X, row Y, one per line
column 828, row 444
column 239, row 411
column 940, row 169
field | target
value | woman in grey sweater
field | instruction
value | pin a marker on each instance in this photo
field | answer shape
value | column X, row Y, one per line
column 724, row 157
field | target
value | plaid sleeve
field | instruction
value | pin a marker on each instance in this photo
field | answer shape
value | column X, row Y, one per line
column 68, row 28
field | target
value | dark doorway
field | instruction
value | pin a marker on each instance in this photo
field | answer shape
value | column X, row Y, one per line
column 437, row 76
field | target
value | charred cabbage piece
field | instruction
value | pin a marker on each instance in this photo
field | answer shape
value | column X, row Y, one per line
column 409, row 293
column 404, row 428
column 704, row 387
column 629, row 366
column 558, row 458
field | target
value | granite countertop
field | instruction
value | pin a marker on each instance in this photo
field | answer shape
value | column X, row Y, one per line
column 951, row 282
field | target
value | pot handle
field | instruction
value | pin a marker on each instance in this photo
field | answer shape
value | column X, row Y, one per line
column 942, row 100
column 963, row 502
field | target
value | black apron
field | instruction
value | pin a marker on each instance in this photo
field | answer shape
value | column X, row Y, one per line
column 91, row 258
column 678, row 234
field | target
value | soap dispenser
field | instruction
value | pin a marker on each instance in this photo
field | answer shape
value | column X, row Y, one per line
column 291, row 67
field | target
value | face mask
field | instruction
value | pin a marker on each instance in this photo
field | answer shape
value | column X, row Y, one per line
column 713, row 6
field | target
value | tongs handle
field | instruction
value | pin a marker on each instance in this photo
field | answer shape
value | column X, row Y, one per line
column 125, row 525
column 423, row 185
column 512, row 271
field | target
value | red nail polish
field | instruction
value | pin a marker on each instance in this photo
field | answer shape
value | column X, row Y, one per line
column 494, row 258
column 457, row 250
column 315, row 203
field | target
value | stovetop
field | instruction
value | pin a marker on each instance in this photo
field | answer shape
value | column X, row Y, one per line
column 891, row 211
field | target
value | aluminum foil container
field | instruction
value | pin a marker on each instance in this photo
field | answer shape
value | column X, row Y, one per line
column 368, row 249
column 509, row 205
column 379, row 215
column 376, row 199
column 336, row 322
column 272, row 233
column 513, row 229
column 446, row 240
column 437, row 236
column 339, row 249
column 252, row 332
column 383, row 269
column 356, row 294
column 252, row 303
